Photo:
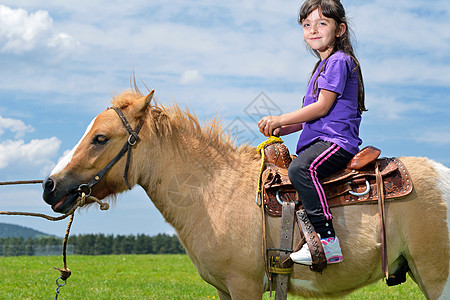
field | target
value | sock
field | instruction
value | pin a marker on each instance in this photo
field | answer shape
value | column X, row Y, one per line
column 327, row 240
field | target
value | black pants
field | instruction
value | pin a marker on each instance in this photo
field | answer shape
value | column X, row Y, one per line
column 316, row 162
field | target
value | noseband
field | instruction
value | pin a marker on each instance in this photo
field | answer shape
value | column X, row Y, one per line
column 133, row 138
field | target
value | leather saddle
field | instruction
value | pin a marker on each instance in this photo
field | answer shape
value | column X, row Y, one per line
column 356, row 184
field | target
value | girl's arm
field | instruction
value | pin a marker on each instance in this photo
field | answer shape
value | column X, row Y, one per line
column 288, row 129
column 315, row 110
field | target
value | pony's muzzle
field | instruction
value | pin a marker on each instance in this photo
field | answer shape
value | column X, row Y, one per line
column 49, row 187
column 54, row 191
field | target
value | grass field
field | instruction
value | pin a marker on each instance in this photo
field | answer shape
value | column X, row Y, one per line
column 134, row 277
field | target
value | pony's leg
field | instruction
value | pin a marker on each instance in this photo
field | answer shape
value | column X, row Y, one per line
column 242, row 291
column 428, row 274
column 425, row 226
column 240, row 287
column 223, row 296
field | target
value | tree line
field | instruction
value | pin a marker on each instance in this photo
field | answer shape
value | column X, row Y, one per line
column 93, row 244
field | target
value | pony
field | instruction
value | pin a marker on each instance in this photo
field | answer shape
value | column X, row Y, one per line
column 204, row 185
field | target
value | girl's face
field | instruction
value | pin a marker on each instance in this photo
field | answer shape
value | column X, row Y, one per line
column 320, row 32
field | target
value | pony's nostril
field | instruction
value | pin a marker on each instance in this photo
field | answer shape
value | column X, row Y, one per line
column 49, row 185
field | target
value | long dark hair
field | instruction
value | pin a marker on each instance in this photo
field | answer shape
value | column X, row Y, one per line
column 333, row 9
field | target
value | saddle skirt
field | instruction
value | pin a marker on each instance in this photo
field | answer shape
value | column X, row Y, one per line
column 356, row 184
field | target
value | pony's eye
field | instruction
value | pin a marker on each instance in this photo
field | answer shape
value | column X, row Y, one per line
column 100, row 140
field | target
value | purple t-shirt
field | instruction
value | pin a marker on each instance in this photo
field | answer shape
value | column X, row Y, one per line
column 341, row 124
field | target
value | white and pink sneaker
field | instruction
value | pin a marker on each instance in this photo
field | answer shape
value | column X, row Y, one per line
column 331, row 247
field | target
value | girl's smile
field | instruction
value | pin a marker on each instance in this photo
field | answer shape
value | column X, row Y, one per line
column 320, row 32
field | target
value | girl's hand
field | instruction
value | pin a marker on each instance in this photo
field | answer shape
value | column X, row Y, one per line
column 270, row 125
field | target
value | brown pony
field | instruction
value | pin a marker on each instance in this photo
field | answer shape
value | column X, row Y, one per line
column 204, row 186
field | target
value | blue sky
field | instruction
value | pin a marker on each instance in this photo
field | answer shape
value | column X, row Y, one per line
column 61, row 61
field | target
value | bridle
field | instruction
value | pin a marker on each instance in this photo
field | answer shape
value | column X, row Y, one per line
column 133, row 138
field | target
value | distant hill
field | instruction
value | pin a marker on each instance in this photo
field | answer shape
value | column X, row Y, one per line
column 11, row 230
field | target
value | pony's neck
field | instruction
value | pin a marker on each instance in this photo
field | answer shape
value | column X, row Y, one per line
column 183, row 171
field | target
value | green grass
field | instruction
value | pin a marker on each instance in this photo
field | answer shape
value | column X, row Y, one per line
column 134, row 277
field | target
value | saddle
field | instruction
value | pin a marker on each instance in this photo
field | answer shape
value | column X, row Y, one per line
column 356, row 184
column 367, row 179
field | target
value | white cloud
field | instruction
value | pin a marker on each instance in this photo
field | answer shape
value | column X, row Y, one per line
column 191, row 77
column 17, row 126
column 38, row 152
column 389, row 108
column 435, row 136
column 21, row 31
column 405, row 42
column 62, row 40
column 410, row 26
column 405, row 70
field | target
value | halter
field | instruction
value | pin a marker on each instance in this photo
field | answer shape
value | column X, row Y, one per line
column 131, row 141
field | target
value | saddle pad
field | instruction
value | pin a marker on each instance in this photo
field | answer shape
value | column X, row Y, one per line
column 397, row 183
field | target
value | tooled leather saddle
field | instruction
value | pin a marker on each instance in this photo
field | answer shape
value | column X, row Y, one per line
column 356, row 184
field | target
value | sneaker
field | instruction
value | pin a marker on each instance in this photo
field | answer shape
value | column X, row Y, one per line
column 331, row 247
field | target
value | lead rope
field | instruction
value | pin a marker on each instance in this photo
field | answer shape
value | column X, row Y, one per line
column 81, row 201
column 65, row 272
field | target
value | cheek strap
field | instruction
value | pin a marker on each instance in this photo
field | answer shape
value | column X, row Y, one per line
column 132, row 140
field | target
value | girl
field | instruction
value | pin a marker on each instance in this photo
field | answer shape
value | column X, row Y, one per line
column 330, row 118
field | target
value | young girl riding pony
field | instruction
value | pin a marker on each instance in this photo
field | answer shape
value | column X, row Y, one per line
column 329, row 119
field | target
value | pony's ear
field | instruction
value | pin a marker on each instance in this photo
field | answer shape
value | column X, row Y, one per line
column 144, row 103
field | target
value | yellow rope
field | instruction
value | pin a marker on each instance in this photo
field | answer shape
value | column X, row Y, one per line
column 260, row 149
column 271, row 140
column 276, row 270
column 273, row 262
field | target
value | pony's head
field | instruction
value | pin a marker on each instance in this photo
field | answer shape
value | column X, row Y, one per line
column 98, row 164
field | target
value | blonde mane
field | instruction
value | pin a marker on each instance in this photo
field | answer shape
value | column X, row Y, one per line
column 168, row 119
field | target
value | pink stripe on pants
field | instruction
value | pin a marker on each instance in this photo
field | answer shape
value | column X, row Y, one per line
column 313, row 170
